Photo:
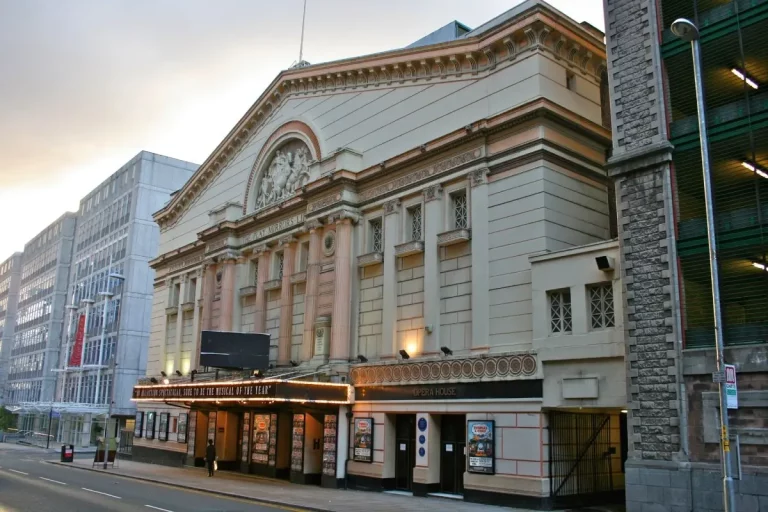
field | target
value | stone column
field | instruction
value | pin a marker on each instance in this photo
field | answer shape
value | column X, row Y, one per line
column 209, row 289
column 389, row 293
column 194, row 362
column 310, row 294
column 260, row 306
column 480, row 281
column 434, row 224
column 342, row 303
column 241, row 270
column 286, row 303
column 227, row 293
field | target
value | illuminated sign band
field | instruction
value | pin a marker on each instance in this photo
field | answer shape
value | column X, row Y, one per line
column 245, row 390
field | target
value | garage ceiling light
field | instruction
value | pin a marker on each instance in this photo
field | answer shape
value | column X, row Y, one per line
column 755, row 168
column 743, row 76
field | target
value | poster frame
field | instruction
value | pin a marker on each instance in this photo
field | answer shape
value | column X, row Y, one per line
column 355, row 444
column 491, row 424
column 181, row 428
column 138, row 427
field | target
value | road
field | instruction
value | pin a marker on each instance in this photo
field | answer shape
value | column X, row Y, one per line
column 27, row 482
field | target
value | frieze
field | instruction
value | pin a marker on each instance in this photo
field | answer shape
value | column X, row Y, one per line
column 502, row 367
column 216, row 245
column 272, row 229
column 185, row 263
column 421, row 174
column 323, row 202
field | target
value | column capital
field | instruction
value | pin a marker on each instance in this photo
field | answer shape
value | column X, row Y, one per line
column 433, row 192
column 313, row 225
column 344, row 215
column 287, row 240
column 392, row 206
column 478, row 176
column 230, row 255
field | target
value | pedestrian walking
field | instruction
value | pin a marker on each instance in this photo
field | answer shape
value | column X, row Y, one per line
column 210, row 457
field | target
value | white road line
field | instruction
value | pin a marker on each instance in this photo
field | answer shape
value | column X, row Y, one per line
column 158, row 508
column 19, row 472
column 102, row 493
column 54, row 481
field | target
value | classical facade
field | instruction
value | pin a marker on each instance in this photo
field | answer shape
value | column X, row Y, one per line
column 10, row 280
column 426, row 237
column 675, row 437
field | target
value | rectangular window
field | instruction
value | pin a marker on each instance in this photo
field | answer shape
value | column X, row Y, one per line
column 192, row 290
column 253, row 277
column 459, row 210
column 415, row 223
column 280, row 264
column 175, row 293
column 376, row 235
column 304, row 257
column 601, row 306
column 560, row 311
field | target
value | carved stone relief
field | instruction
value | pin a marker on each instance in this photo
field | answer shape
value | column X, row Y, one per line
column 286, row 172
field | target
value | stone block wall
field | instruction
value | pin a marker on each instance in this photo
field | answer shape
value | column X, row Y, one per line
column 410, row 301
column 273, row 322
column 297, row 329
column 371, row 308
column 456, row 296
column 248, row 313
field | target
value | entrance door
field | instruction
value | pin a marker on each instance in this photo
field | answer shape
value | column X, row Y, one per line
column 405, row 451
column 452, row 457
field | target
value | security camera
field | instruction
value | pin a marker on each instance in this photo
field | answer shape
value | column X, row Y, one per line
column 605, row 263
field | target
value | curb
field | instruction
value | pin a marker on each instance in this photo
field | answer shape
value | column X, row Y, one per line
column 192, row 488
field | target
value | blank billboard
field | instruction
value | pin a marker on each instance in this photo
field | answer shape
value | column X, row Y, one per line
column 234, row 350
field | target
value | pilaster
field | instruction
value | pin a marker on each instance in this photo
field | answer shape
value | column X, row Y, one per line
column 194, row 362
column 227, row 292
column 209, row 289
column 389, row 291
column 260, row 303
column 179, row 325
column 480, row 278
column 286, row 302
column 315, row 229
column 342, row 304
column 433, row 225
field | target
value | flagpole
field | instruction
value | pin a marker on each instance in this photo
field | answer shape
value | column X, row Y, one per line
column 301, row 46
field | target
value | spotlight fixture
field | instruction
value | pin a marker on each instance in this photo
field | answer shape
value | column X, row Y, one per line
column 294, row 363
column 447, row 351
column 362, row 358
column 404, row 354
column 755, row 168
column 256, row 374
column 744, row 77
column 153, row 380
column 178, row 373
column 605, row 263
column 761, row 266
column 166, row 381
column 163, row 374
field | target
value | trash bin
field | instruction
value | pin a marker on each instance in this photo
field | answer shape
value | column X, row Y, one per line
column 67, row 453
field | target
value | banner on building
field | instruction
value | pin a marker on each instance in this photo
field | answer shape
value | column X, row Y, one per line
column 480, row 447
column 261, row 424
column 363, row 440
column 76, row 358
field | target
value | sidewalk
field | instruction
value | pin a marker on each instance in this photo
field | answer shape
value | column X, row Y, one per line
column 284, row 493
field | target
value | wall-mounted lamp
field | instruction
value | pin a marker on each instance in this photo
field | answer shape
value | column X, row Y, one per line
column 294, row 363
column 163, row 374
column 428, row 328
column 166, row 381
column 761, row 266
column 447, row 351
column 178, row 373
column 605, row 263
column 192, row 375
column 404, row 354
column 256, row 374
column 362, row 358
column 752, row 166
column 153, row 380
column 744, row 77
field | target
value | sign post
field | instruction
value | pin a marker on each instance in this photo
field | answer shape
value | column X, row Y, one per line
column 731, row 391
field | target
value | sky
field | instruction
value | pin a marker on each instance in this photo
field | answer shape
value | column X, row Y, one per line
column 87, row 84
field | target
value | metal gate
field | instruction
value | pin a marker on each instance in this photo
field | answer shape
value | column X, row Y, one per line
column 580, row 461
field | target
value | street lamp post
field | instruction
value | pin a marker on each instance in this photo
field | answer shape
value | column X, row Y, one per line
column 687, row 31
column 113, row 366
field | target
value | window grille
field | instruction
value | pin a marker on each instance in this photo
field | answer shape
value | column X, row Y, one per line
column 377, row 236
column 460, row 214
column 280, row 264
column 415, row 222
column 561, row 320
column 601, row 306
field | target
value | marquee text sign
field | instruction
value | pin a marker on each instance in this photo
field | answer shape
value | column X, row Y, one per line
column 254, row 390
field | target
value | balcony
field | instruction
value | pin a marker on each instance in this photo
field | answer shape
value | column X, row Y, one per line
column 372, row 258
column 188, row 306
column 274, row 284
column 409, row 248
column 455, row 236
column 247, row 291
column 299, row 277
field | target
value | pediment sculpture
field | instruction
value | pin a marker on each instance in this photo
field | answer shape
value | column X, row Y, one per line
column 286, row 172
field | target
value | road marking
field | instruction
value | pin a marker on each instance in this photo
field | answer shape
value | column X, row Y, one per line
column 54, row 481
column 158, row 508
column 19, row 472
column 102, row 493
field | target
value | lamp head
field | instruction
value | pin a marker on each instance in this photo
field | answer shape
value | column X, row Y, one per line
column 404, row 354
column 685, row 29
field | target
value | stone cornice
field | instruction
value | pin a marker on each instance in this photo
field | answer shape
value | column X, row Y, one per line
column 537, row 28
